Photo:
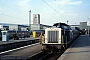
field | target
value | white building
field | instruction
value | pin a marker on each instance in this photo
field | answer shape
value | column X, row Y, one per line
column 36, row 18
column 85, row 25
column 39, row 26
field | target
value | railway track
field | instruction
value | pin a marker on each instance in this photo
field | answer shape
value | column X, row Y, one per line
column 52, row 56
column 46, row 56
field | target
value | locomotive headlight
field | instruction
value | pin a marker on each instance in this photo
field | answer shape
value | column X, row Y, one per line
column 59, row 40
column 46, row 40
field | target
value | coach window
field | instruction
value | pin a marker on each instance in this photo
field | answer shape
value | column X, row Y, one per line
column 69, row 28
column 58, row 25
column 62, row 27
column 65, row 27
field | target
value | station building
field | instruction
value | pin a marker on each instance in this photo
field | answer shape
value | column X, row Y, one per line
column 39, row 26
column 4, row 27
column 18, row 27
column 85, row 25
column 73, row 26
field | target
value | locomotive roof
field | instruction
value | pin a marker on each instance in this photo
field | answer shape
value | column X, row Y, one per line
column 60, row 24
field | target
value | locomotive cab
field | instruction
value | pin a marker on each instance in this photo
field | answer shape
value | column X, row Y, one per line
column 57, row 37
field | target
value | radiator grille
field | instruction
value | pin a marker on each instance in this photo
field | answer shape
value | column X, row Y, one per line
column 53, row 36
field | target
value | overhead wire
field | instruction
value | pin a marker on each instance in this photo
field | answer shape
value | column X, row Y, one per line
column 54, row 9
column 12, row 8
column 10, row 15
column 61, row 8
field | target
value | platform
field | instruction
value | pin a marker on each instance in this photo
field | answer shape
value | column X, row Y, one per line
column 79, row 50
column 14, row 41
column 12, row 44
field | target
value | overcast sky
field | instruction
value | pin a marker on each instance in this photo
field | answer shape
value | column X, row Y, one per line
column 51, row 11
